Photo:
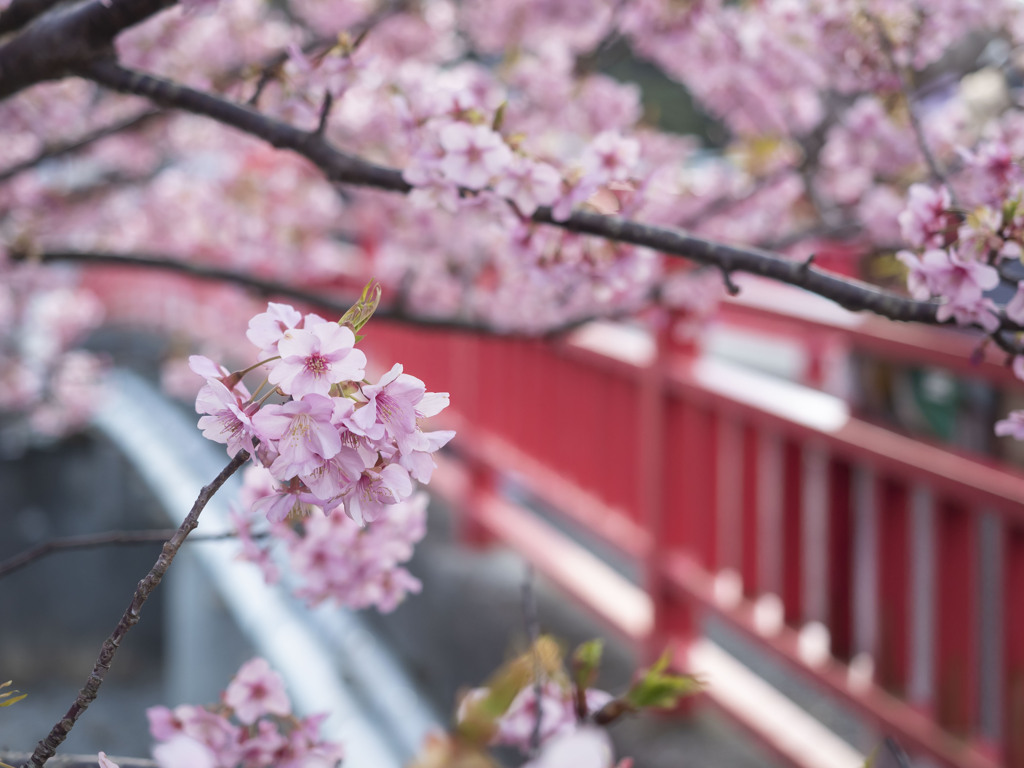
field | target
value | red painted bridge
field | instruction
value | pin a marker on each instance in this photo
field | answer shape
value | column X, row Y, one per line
column 884, row 568
column 824, row 484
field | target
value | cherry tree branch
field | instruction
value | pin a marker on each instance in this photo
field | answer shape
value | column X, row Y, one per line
column 94, row 540
column 269, row 288
column 21, row 12
column 64, row 148
column 48, row 746
column 346, row 168
column 59, row 41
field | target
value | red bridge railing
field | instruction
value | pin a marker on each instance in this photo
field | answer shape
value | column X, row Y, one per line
column 883, row 569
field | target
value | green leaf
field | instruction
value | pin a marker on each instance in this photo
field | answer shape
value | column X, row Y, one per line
column 359, row 314
column 585, row 662
column 661, row 690
column 15, row 700
column 5, row 700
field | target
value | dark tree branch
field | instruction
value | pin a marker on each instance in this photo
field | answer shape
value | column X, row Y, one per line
column 65, row 39
column 57, row 150
column 94, row 540
column 48, row 746
column 346, row 168
column 21, row 12
column 270, row 288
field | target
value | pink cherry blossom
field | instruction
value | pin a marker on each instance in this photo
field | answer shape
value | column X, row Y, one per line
column 580, row 747
column 610, row 157
column 315, row 358
column 227, row 419
column 105, row 762
column 374, row 491
column 927, row 221
column 257, row 690
column 393, row 406
column 529, row 184
column 473, row 154
column 557, row 714
column 182, row 751
column 267, row 328
column 301, row 433
column 1012, row 426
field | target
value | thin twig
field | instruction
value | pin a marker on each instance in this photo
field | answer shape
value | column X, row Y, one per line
column 325, row 112
column 532, row 621
column 269, row 288
column 885, row 43
column 58, row 150
column 48, row 746
column 94, row 540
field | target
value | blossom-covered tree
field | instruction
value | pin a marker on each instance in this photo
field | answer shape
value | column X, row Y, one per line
column 479, row 161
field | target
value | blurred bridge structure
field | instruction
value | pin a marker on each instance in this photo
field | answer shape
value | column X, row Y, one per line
column 750, row 480
column 819, row 486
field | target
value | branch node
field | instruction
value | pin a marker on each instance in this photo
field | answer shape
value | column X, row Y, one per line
column 730, row 286
column 807, row 263
column 325, row 111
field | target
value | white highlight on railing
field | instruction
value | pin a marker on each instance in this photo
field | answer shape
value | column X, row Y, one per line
column 861, row 672
column 175, row 462
column 921, row 685
column 728, row 588
column 760, row 707
column 784, row 399
column 814, row 644
column 769, row 614
column 773, row 355
column 627, row 343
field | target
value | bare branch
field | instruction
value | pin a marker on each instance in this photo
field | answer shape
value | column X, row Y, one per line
column 531, row 618
column 57, row 150
column 94, row 540
column 346, row 168
column 21, row 12
column 270, row 288
column 885, row 43
column 60, row 41
column 48, row 746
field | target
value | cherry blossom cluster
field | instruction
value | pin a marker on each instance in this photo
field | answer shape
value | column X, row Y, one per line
column 557, row 717
column 486, row 145
column 329, row 557
column 962, row 254
column 252, row 727
column 47, row 387
column 338, row 441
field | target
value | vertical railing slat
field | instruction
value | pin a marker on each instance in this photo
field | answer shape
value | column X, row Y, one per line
column 955, row 572
column 921, row 685
column 792, row 520
column 1013, row 647
column 893, row 586
column 840, row 558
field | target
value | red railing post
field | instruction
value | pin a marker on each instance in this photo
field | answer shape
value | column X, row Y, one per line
column 673, row 620
column 1013, row 648
column 956, row 670
column 840, row 575
column 893, row 586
